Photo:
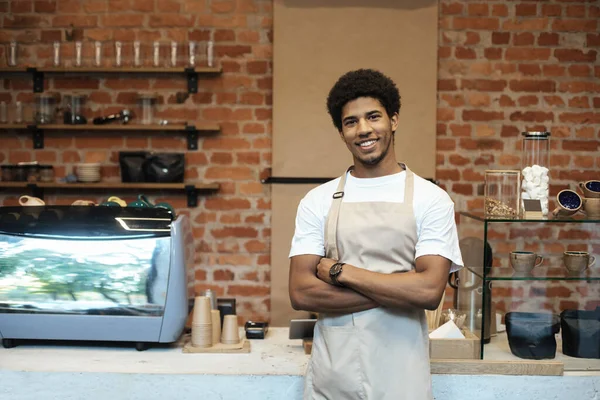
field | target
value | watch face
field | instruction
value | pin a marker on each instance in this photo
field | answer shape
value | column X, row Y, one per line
column 335, row 269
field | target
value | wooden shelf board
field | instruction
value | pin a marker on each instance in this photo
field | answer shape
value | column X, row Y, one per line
column 116, row 70
column 112, row 185
column 204, row 127
column 13, row 126
column 15, row 70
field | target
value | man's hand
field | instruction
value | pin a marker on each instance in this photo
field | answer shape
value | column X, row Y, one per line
column 323, row 270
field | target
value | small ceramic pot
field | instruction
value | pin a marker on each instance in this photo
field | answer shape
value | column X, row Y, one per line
column 569, row 202
column 590, row 189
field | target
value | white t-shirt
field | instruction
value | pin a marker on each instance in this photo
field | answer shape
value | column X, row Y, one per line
column 433, row 209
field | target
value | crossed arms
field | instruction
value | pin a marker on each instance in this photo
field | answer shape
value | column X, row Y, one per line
column 312, row 290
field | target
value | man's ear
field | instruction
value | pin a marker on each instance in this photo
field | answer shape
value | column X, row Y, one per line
column 394, row 121
column 342, row 136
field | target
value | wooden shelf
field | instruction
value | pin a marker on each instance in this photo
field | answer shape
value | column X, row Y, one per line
column 113, row 70
column 191, row 190
column 111, row 185
column 5, row 127
column 37, row 73
column 205, row 127
column 191, row 130
column 14, row 70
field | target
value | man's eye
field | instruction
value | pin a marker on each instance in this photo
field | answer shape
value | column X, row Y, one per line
column 349, row 122
column 374, row 117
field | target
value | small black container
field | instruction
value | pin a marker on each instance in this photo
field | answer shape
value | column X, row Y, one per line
column 580, row 333
column 531, row 335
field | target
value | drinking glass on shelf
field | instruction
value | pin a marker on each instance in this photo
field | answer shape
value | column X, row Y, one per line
column 11, row 54
column 137, row 57
column 118, row 53
column 97, row 54
column 56, row 58
column 18, row 112
column 147, row 103
column 3, row 113
column 173, row 54
column 78, row 55
column 156, row 54
column 209, row 53
column 192, row 54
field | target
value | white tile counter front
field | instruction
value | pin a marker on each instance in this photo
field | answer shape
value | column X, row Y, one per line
column 273, row 369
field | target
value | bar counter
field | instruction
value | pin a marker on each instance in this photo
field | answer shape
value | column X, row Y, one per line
column 273, row 369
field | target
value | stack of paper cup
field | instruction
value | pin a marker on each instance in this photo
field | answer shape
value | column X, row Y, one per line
column 216, row 326
column 230, row 332
column 202, row 323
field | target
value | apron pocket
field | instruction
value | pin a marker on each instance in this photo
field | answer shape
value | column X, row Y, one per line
column 336, row 364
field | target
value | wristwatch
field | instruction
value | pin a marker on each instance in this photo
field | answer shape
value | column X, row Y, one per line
column 335, row 271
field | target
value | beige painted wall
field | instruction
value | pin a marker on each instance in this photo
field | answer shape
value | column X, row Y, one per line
column 315, row 42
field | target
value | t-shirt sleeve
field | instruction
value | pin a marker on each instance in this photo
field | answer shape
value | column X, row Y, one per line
column 438, row 234
column 309, row 234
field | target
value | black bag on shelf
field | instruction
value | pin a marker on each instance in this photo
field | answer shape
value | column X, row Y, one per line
column 164, row 167
column 580, row 333
column 531, row 335
column 143, row 166
column 132, row 166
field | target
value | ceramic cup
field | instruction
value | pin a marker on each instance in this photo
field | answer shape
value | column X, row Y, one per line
column 31, row 201
column 569, row 202
column 591, row 206
column 525, row 261
column 578, row 261
column 590, row 189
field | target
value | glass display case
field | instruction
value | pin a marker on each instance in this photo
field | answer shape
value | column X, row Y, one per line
column 531, row 288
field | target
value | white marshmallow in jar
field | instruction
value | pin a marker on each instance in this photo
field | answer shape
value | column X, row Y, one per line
column 536, row 174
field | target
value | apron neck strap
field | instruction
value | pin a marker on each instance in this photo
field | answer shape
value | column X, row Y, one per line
column 334, row 212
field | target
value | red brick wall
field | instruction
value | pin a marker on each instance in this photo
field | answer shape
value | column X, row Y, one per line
column 503, row 67
column 506, row 67
column 510, row 66
column 231, row 228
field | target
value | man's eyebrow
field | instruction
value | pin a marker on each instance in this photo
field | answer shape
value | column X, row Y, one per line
column 367, row 114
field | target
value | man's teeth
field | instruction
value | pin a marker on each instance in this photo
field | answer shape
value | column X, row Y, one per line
column 367, row 143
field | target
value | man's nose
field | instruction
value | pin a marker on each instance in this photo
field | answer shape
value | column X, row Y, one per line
column 363, row 126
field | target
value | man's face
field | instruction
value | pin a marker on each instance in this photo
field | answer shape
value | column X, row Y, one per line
column 367, row 130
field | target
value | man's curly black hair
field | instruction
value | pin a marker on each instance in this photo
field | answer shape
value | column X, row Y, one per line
column 362, row 83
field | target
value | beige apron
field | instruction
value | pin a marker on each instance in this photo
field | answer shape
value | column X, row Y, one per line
column 380, row 353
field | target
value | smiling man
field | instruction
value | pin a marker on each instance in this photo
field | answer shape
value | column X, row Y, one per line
column 372, row 250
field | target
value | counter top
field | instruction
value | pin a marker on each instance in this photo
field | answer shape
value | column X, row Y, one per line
column 276, row 355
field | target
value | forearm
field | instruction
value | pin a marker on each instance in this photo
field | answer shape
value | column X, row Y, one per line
column 321, row 297
column 398, row 290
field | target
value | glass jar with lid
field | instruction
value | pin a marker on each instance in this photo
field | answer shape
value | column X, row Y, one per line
column 502, row 194
column 535, row 163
